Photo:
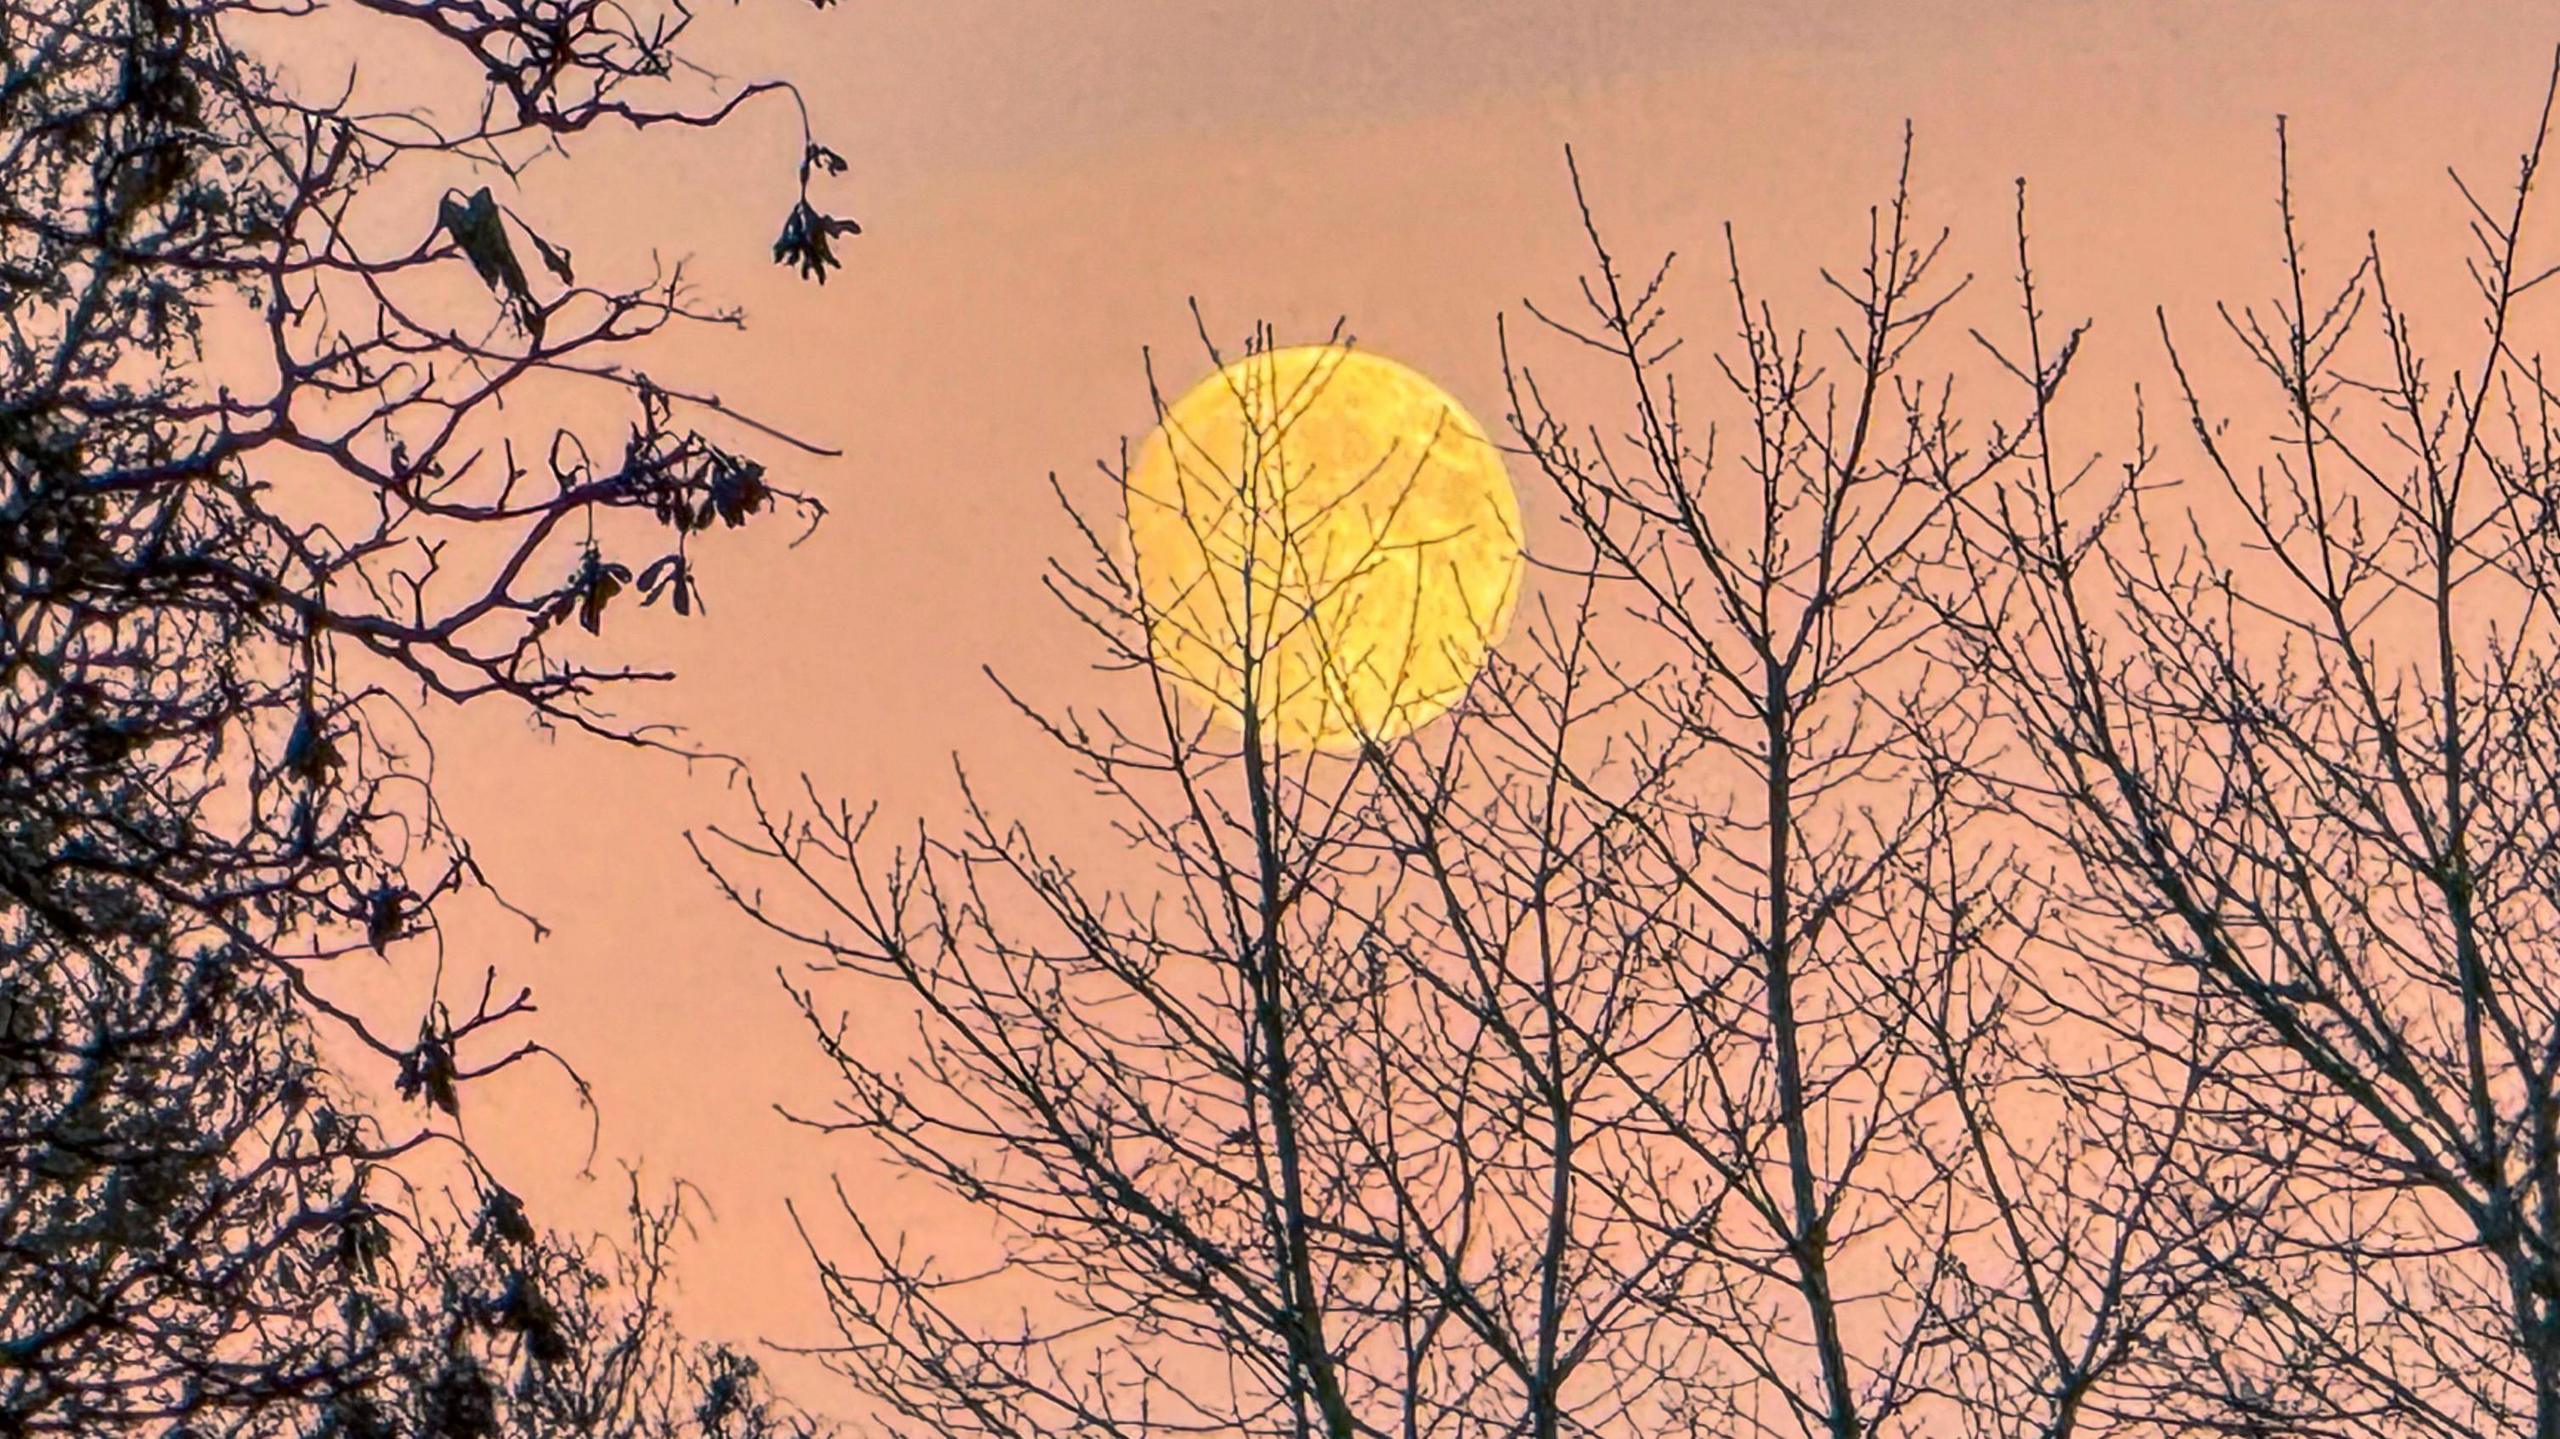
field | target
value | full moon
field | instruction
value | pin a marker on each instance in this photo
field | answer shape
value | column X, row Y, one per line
column 1325, row 536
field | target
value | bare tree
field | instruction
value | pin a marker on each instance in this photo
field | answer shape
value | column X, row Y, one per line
column 2288, row 735
column 224, row 595
column 1187, row 1108
column 1889, row 1246
column 1632, row 1052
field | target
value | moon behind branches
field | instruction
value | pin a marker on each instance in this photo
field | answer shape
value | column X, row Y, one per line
column 1332, row 525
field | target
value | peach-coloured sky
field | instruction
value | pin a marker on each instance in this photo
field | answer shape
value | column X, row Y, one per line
column 1044, row 185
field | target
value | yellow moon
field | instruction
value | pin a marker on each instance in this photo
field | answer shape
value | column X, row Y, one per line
column 1328, row 533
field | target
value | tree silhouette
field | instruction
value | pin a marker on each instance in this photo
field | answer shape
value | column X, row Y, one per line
column 260, row 504
column 1638, row 1051
column 1915, row 936
column 2288, row 738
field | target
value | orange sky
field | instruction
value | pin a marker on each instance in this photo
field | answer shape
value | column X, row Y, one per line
column 1043, row 187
